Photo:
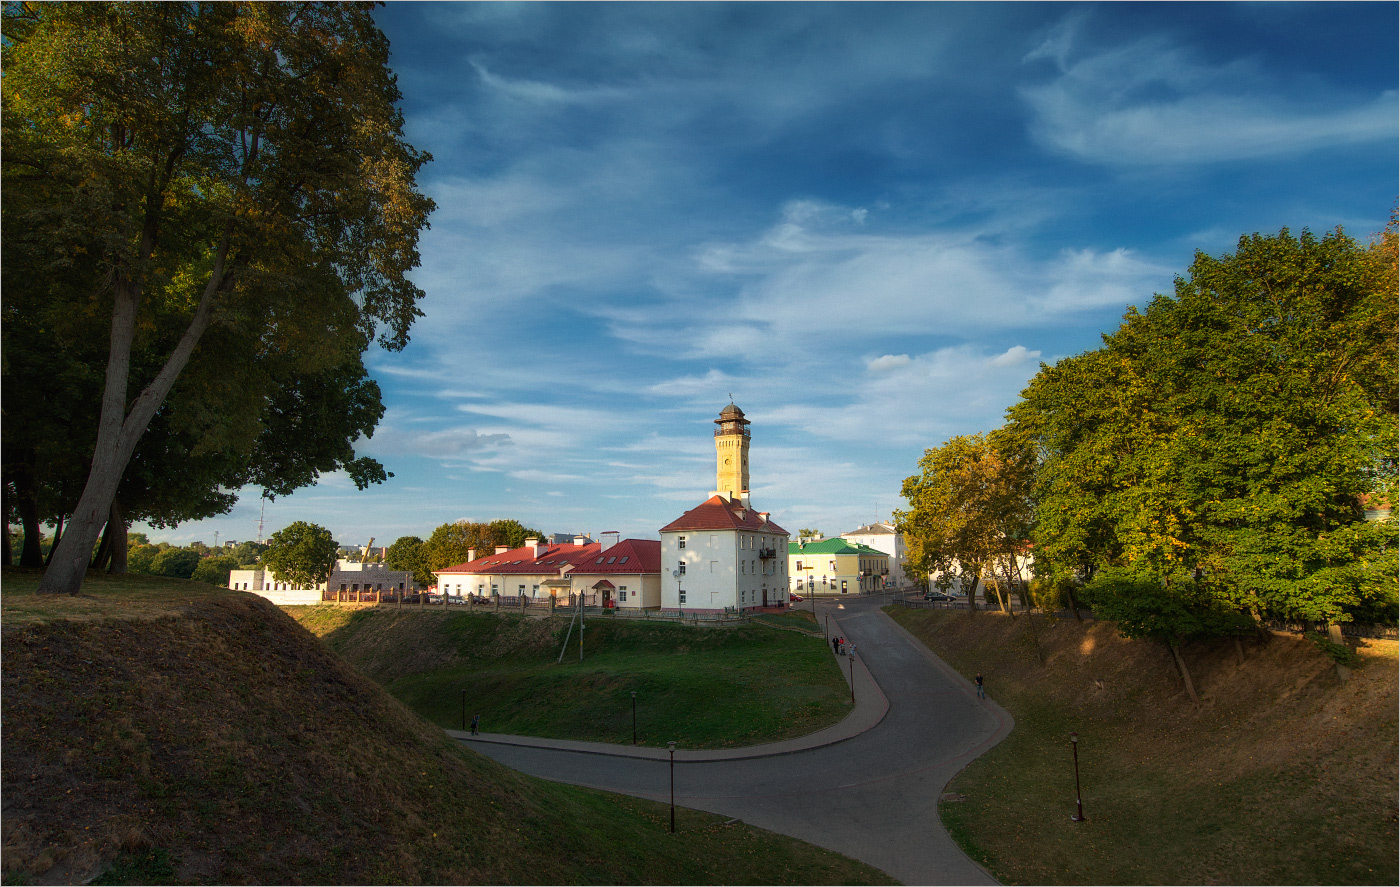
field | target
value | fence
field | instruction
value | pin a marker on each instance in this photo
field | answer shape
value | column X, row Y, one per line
column 1349, row 629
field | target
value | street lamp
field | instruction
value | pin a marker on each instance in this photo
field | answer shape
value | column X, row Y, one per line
column 1078, row 799
column 852, row 657
column 671, row 746
column 634, row 717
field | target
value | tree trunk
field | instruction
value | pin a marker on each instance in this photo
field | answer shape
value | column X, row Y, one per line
column 1073, row 604
column 104, row 549
column 1334, row 634
column 120, row 540
column 1185, row 674
column 26, row 502
column 57, row 538
column 8, row 555
column 119, row 430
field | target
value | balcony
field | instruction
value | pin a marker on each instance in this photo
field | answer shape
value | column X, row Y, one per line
column 765, row 554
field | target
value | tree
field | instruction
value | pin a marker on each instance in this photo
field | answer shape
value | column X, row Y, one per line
column 248, row 552
column 970, row 511
column 187, row 167
column 407, row 553
column 450, row 544
column 178, row 563
column 215, row 570
column 1220, row 446
column 806, row 534
column 303, row 554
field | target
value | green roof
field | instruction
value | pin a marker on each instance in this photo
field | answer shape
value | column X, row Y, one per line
column 835, row 546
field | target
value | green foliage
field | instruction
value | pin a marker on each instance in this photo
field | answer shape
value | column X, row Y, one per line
column 407, row 553
column 248, row 553
column 302, row 554
column 178, row 563
column 1338, row 653
column 1230, row 434
column 450, row 544
column 1145, row 606
column 215, row 570
column 970, row 510
column 174, row 169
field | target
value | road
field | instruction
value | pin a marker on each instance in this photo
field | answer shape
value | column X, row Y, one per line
column 867, row 788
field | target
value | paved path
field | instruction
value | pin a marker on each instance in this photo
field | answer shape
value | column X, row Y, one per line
column 867, row 787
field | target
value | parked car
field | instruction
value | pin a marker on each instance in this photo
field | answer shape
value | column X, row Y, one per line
column 938, row 596
column 795, row 598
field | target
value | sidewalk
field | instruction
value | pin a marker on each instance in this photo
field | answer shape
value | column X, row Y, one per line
column 870, row 708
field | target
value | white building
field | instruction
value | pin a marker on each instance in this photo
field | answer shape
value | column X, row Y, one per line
column 722, row 555
column 882, row 536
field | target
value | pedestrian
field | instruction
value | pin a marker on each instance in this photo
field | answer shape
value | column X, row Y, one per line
column 981, row 693
column 851, row 651
column 835, row 643
column 476, row 719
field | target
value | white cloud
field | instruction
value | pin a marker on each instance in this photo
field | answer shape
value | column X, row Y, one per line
column 1151, row 103
column 888, row 362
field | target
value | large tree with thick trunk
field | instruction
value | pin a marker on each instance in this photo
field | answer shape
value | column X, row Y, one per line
column 186, row 168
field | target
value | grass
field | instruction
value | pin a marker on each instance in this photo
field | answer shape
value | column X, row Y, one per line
column 1282, row 775
column 702, row 687
column 191, row 735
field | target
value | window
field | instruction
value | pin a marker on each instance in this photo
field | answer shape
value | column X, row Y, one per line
column 622, row 595
column 682, row 597
column 680, row 543
column 833, row 566
column 799, row 565
column 623, row 560
column 534, row 592
column 522, row 591
column 743, row 567
column 612, row 559
column 681, row 569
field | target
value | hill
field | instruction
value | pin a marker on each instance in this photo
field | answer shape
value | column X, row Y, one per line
column 703, row 687
column 160, row 731
column 1281, row 775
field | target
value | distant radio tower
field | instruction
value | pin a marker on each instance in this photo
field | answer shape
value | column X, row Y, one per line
column 261, row 512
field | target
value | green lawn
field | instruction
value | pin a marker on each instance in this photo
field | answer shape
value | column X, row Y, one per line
column 702, row 687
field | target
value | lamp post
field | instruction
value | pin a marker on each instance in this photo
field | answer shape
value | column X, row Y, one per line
column 1078, row 799
column 671, row 746
column 634, row 717
column 852, row 657
column 464, row 708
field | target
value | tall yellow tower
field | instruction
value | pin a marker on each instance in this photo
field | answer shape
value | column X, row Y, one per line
column 732, row 454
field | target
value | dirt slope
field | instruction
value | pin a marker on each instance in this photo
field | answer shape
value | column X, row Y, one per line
column 222, row 743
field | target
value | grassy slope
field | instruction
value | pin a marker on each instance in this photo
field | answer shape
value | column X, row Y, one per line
column 172, row 733
column 1281, row 775
column 703, row 687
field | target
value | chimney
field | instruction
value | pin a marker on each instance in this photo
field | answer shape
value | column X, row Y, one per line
column 502, row 549
column 534, row 545
column 610, row 538
column 471, row 554
column 763, row 517
column 580, row 541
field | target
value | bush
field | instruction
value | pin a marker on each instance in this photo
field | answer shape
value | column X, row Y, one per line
column 215, row 570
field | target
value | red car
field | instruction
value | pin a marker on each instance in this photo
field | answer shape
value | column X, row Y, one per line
column 794, row 598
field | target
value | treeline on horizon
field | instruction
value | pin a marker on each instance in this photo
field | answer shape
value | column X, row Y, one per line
column 1210, row 466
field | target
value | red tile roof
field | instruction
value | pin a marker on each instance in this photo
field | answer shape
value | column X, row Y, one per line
column 628, row 556
column 719, row 513
column 545, row 559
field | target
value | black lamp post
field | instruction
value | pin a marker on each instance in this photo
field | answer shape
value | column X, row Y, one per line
column 672, row 747
column 634, row 717
column 1078, row 799
column 852, row 657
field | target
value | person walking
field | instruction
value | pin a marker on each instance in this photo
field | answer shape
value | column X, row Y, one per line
column 476, row 719
column 851, row 651
column 981, row 693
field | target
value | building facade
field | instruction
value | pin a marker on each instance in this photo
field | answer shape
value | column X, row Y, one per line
column 722, row 555
column 610, row 573
column 882, row 536
column 836, row 567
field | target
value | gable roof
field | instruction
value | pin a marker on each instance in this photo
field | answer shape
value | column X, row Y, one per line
column 880, row 529
column 525, row 561
column 834, row 546
column 627, row 557
column 719, row 513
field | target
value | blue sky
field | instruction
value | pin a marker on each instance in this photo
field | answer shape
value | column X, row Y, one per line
column 868, row 223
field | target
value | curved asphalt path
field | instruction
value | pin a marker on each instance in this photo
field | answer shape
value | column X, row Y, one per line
column 867, row 787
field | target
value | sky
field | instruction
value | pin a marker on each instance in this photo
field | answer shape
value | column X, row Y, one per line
column 866, row 224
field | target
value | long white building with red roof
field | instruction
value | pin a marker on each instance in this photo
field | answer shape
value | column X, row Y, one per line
column 623, row 573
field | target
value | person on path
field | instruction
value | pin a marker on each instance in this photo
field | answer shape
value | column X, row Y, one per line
column 981, row 693
column 851, row 651
column 835, row 643
column 476, row 722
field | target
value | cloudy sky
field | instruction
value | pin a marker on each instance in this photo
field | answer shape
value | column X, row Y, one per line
column 867, row 223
